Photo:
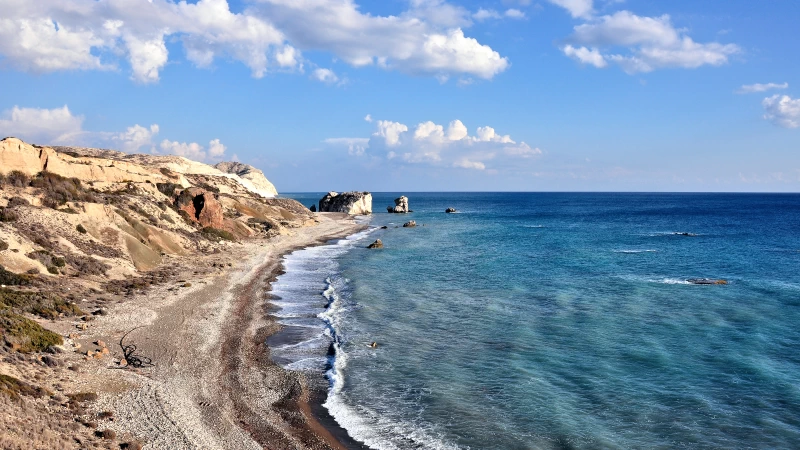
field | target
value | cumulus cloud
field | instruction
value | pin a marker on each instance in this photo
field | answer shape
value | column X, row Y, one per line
column 432, row 42
column 488, row 14
column 355, row 146
column 193, row 150
column 51, row 35
column 576, row 8
column 758, row 87
column 438, row 145
column 59, row 126
column 586, row 56
column 514, row 14
column 649, row 43
column 325, row 76
column 782, row 110
column 135, row 137
column 41, row 125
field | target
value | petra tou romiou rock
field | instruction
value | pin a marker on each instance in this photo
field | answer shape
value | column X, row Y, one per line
column 400, row 206
column 353, row 203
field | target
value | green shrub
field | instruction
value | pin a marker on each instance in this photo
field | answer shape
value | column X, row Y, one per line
column 168, row 189
column 17, row 179
column 13, row 388
column 59, row 190
column 26, row 335
column 43, row 304
column 6, row 215
column 81, row 229
column 87, row 265
column 3, row 245
column 58, row 261
column 53, row 270
column 216, row 235
column 13, row 279
column 17, row 201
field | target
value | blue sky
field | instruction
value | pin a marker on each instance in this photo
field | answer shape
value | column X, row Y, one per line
column 414, row 95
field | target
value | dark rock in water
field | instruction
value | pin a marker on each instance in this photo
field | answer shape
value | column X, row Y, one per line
column 313, row 208
column 377, row 244
column 400, row 206
column 410, row 224
column 384, row 227
column 450, row 210
column 706, row 281
column 355, row 203
column 685, row 234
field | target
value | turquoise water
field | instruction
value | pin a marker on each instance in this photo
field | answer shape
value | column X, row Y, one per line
column 552, row 321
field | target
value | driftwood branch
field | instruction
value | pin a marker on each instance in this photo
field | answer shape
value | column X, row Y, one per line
column 129, row 352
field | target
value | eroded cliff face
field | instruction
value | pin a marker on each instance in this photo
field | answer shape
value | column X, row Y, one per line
column 354, row 203
column 250, row 176
column 121, row 214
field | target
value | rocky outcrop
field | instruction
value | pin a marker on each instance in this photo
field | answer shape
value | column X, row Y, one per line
column 354, row 203
column 377, row 244
column 706, row 281
column 410, row 224
column 450, row 210
column 249, row 176
column 400, row 206
column 201, row 206
column 313, row 208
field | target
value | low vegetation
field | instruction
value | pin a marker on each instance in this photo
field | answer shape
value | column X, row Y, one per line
column 59, row 190
column 14, row 388
column 217, row 235
column 12, row 279
column 25, row 335
column 43, row 304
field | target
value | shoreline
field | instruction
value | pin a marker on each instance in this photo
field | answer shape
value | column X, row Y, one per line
column 214, row 384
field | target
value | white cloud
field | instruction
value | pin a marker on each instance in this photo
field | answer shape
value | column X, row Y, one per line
column 216, row 149
column 467, row 164
column 651, row 42
column 50, row 35
column 485, row 14
column 41, row 125
column 577, row 8
column 782, row 110
column 135, row 137
column 514, row 14
column 586, row 56
column 368, row 118
column 438, row 145
column 193, row 150
column 325, row 76
column 58, row 126
column 758, row 87
column 425, row 39
column 390, row 132
column 355, row 146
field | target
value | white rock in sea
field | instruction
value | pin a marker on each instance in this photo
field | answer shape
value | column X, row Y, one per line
column 400, row 205
column 354, row 203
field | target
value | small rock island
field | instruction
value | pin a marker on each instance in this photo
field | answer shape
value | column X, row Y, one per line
column 353, row 203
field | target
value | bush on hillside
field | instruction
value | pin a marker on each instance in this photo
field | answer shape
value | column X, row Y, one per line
column 217, row 235
column 59, row 190
column 18, row 179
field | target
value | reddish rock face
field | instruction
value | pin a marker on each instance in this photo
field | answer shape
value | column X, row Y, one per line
column 201, row 206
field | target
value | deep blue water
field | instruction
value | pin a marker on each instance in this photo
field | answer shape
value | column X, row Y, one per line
column 558, row 320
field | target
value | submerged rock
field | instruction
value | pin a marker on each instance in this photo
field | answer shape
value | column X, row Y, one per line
column 313, row 208
column 377, row 244
column 706, row 281
column 410, row 224
column 400, row 206
column 450, row 210
column 354, row 203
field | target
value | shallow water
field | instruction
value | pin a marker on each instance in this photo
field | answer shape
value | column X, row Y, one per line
column 557, row 321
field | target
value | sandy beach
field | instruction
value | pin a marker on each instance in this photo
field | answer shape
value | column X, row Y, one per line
column 212, row 384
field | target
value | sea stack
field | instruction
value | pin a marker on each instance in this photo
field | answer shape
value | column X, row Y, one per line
column 400, row 206
column 353, row 203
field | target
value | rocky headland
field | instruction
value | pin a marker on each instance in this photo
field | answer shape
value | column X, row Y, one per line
column 353, row 203
column 132, row 299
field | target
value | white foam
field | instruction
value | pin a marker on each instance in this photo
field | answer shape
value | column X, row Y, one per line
column 635, row 251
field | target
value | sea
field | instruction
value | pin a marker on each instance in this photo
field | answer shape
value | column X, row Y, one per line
column 555, row 321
